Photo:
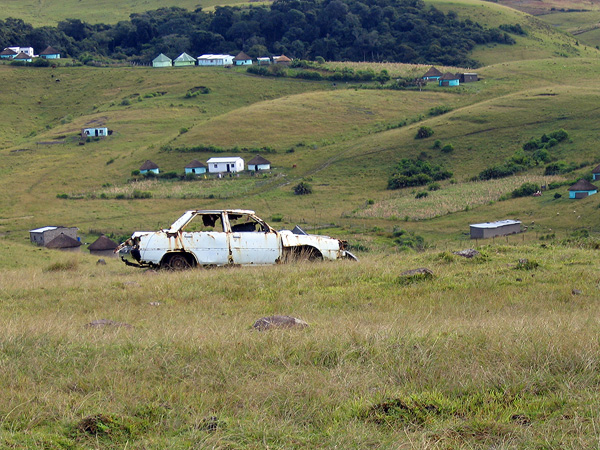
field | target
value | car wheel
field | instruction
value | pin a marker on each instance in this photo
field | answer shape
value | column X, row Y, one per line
column 179, row 262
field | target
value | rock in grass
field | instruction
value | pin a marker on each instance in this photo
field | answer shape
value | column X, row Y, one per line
column 468, row 253
column 101, row 262
column 267, row 323
column 576, row 292
column 107, row 323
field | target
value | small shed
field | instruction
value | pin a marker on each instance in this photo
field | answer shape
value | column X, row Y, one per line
column 225, row 165
column 23, row 57
column 7, row 53
column 195, row 167
column 432, row 74
column 215, row 60
column 42, row 236
column 493, row 229
column 95, row 132
column 64, row 242
column 103, row 246
column 449, row 79
column 162, row 60
column 282, row 60
column 259, row 163
column 596, row 173
column 242, row 60
column 467, row 77
column 149, row 166
column 263, row 61
column 582, row 189
column 184, row 60
column 50, row 53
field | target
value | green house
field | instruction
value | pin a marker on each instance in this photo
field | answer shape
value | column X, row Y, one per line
column 184, row 60
column 162, row 61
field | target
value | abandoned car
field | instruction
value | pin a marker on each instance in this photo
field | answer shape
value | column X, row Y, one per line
column 221, row 237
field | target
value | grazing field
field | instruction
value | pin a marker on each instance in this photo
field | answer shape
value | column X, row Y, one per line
column 481, row 355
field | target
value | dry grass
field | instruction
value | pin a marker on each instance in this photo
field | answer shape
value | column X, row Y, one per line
column 473, row 354
column 449, row 199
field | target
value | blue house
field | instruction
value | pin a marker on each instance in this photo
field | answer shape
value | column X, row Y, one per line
column 7, row 53
column 195, row 167
column 596, row 173
column 242, row 60
column 449, row 79
column 259, row 163
column 149, row 166
column 432, row 74
column 582, row 189
column 23, row 57
column 95, row 132
column 50, row 53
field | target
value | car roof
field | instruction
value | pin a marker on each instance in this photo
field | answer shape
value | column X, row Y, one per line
column 219, row 211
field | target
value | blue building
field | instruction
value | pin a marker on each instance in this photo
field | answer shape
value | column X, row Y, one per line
column 50, row 53
column 582, row 189
column 596, row 173
column 449, row 79
column 242, row 60
column 195, row 167
column 149, row 166
column 432, row 74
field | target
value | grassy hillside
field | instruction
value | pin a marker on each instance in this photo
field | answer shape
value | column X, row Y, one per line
column 41, row 13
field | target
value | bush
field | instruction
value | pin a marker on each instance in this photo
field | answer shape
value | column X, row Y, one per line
column 557, row 195
column 406, row 239
column 276, row 217
column 303, row 188
column 437, row 143
column 525, row 190
column 424, row 132
column 422, row 194
column 141, row 194
column 125, row 102
column 439, row 110
column 433, row 186
column 415, row 172
column 448, row 148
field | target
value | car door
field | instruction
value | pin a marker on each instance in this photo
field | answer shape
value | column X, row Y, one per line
column 252, row 241
column 205, row 237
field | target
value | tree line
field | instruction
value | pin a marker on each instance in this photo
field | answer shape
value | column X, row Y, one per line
column 405, row 31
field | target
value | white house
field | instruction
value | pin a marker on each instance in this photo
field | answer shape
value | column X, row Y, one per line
column 93, row 132
column 215, row 60
column 27, row 50
column 228, row 164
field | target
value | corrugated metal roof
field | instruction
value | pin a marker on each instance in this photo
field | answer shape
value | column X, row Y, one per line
column 41, row 230
column 224, row 160
column 499, row 223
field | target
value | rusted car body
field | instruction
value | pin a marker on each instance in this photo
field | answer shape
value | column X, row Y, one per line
column 225, row 237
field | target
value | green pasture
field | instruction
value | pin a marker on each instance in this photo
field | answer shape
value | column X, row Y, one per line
column 583, row 25
column 49, row 13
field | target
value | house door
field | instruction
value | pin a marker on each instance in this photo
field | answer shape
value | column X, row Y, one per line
column 228, row 168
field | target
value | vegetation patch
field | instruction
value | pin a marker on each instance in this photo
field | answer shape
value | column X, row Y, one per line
column 416, row 172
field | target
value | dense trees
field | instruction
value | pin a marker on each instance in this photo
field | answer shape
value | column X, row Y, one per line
column 378, row 30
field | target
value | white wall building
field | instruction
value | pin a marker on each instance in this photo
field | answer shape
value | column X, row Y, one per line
column 215, row 60
column 225, row 165
column 27, row 50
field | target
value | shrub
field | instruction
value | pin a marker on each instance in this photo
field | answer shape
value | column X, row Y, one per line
column 437, row 144
column 424, row 132
column 62, row 196
column 525, row 190
column 407, row 239
column 439, row 110
column 422, row 194
column 527, row 264
column 557, row 195
column 125, row 102
column 433, row 186
column 276, row 217
column 448, row 148
column 320, row 60
column 141, row 194
column 135, row 173
column 303, row 188
column 415, row 172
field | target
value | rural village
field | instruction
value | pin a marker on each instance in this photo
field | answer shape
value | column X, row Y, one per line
column 343, row 224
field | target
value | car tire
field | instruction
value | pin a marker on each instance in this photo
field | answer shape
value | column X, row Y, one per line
column 179, row 261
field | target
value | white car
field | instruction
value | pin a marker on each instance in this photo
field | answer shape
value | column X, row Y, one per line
column 221, row 237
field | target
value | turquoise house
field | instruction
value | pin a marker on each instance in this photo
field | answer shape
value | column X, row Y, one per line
column 259, row 163
column 184, row 60
column 162, row 61
column 23, row 57
column 596, row 173
column 195, row 167
column 449, row 79
column 149, row 166
column 432, row 74
column 582, row 189
column 7, row 53
column 50, row 53
column 242, row 60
